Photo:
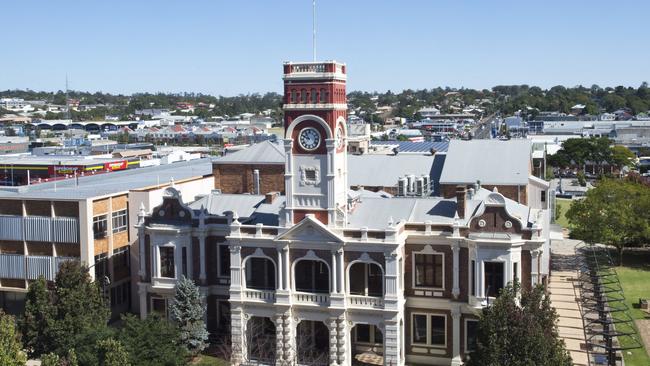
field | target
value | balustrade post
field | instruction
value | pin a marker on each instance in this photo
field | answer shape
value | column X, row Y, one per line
column 235, row 273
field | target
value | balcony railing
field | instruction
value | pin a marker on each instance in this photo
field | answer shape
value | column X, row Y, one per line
column 259, row 295
column 311, row 298
column 39, row 228
column 308, row 67
column 18, row 266
column 365, row 301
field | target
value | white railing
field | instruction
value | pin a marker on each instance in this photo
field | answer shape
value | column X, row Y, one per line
column 39, row 265
column 311, row 298
column 12, row 266
column 365, row 301
column 259, row 295
column 308, row 68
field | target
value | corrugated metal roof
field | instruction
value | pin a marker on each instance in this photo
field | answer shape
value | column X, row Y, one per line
column 375, row 213
column 384, row 170
column 110, row 183
column 490, row 161
column 265, row 152
column 416, row 147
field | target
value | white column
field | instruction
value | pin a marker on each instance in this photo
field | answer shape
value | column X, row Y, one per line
column 280, row 270
column 142, row 292
column 342, row 341
column 455, row 291
column 237, row 336
column 335, row 273
column 202, row 259
column 279, row 339
column 455, row 316
column 235, row 273
column 534, row 267
column 390, row 281
column 341, row 271
column 334, row 338
column 141, row 252
column 391, row 343
column 287, row 269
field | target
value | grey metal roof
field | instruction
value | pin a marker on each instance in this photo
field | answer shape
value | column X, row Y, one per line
column 250, row 208
column 375, row 213
column 110, row 183
column 266, row 152
column 416, row 147
column 490, row 161
column 384, row 170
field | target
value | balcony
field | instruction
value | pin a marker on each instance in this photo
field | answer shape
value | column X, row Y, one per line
column 365, row 302
column 315, row 299
column 31, row 267
column 39, row 228
column 266, row 296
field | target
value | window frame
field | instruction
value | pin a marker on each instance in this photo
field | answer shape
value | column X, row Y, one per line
column 467, row 350
column 119, row 216
column 428, row 343
column 96, row 221
column 414, row 270
column 160, row 260
column 372, row 335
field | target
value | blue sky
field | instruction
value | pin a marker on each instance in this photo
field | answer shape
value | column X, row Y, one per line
column 229, row 47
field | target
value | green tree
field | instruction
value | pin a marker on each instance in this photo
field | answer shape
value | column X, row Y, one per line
column 37, row 318
column 187, row 312
column 616, row 213
column 621, row 156
column 80, row 313
column 11, row 353
column 112, row 353
column 50, row 359
column 151, row 342
column 519, row 331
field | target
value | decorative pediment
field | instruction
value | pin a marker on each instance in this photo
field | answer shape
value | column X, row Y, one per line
column 172, row 210
column 310, row 230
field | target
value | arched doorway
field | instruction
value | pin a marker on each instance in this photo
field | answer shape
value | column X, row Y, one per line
column 260, row 340
column 312, row 343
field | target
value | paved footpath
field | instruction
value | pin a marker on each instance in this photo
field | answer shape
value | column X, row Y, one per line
column 564, row 292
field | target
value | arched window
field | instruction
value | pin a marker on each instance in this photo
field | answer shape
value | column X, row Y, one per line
column 312, row 276
column 303, row 96
column 260, row 273
column 366, row 279
column 323, row 96
column 293, row 96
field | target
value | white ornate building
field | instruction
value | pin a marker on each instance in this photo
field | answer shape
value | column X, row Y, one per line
column 323, row 276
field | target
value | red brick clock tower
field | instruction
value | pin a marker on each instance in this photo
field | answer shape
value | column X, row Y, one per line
column 315, row 111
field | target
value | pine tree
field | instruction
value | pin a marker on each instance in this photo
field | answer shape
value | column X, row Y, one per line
column 112, row 353
column 11, row 353
column 37, row 316
column 151, row 342
column 187, row 311
column 519, row 330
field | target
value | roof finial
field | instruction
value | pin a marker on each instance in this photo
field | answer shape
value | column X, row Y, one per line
column 171, row 182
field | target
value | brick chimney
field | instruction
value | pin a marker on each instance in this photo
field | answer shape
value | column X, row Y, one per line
column 270, row 197
column 461, row 197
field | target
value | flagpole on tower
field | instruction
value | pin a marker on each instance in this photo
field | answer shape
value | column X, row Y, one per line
column 314, row 29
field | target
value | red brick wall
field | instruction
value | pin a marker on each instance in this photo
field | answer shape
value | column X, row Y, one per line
column 408, row 268
column 238, row 178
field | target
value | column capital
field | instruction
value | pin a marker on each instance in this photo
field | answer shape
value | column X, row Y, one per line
column 235, row 249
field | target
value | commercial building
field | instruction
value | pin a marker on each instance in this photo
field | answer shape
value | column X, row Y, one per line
column 313, row 273
column 90, row 219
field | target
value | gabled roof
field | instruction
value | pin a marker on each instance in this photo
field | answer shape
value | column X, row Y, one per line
column 265, row 152
column 490, row 161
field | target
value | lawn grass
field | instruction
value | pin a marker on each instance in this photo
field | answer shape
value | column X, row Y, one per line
column 635, row 280
column 205, row 360
column 563, row 205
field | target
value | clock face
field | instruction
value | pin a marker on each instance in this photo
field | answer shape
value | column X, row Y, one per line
column 339, row 137
column 309, row 138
